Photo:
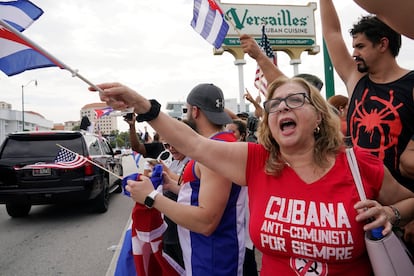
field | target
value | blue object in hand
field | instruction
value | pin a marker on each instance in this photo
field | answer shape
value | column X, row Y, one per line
column 376, row 233
column 156, row 178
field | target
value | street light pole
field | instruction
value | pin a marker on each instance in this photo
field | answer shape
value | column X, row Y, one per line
column 23, row 86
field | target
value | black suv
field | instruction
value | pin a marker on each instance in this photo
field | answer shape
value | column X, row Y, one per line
column 21, row 188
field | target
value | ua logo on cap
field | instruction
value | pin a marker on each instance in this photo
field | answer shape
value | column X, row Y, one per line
column 219, row 103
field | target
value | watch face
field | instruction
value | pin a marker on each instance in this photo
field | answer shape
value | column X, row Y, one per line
column 149, row 202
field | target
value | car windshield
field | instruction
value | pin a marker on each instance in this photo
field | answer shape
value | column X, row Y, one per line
column 40, row 148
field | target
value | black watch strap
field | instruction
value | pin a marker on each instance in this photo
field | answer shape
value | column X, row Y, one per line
column 151, row 114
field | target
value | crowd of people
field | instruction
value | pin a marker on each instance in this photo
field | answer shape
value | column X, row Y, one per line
column 281, row 174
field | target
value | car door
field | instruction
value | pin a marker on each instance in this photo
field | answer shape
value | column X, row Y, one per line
column 112, row 163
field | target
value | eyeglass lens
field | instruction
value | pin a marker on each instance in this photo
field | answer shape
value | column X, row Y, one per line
column 291, row 101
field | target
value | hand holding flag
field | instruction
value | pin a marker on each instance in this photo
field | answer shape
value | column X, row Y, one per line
column 17, row 52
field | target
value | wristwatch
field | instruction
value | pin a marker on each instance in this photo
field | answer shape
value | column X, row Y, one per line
column 149, row 200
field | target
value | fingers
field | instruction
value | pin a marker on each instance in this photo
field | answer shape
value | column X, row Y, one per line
column 374, row 214
column 139, row 189
column 249, row 45
column 114, row 94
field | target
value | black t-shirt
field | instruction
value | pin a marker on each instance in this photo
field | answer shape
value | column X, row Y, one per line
column 381, row 120
column 153, row 149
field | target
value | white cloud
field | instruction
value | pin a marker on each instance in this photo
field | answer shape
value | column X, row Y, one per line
column 147, row 45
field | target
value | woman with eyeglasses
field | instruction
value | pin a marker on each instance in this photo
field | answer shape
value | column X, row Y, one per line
column 305, row 213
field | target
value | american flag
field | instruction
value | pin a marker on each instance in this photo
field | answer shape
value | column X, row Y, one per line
column 65, row 159
column 260, row 81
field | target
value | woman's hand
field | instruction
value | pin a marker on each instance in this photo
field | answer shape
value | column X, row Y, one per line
column 121, row 97
column 132, row 121
column 375, row 215
column 140, row 189
column 250, row 46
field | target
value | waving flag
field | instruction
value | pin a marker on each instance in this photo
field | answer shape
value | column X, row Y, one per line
column 103, row 111
column 63, row 160
column 18, row 54
column 208, row 21
column 136, row 156
column 20, row 14
column 260, row 81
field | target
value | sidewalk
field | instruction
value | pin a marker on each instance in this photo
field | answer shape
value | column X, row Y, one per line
column 112, row 265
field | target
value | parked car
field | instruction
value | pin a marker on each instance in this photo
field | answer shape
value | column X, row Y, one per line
column 22, row 186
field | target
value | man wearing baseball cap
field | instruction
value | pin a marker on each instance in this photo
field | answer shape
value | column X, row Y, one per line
column 210, row 211
column 210, row 100
column 214, row 222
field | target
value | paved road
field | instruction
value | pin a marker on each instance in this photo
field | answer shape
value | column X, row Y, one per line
column 62, row 240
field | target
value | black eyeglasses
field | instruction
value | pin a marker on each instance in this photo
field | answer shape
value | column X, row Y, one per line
column 292, row 101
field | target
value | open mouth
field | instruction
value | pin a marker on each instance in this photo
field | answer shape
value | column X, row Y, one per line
column 287, row 124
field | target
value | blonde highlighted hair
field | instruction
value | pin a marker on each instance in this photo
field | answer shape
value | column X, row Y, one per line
column 329, row 140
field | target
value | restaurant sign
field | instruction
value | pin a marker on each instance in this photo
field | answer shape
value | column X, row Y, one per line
column 285, row 25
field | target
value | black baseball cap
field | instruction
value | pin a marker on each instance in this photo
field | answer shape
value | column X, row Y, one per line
column 209, row 98
column 312, row 79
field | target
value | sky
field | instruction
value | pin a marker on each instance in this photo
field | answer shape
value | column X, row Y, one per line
column 148, row 46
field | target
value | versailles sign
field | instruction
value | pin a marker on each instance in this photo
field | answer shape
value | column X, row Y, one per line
column 289, row 28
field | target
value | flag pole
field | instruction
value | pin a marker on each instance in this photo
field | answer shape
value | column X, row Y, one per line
column 90, row 161
column 39, row 49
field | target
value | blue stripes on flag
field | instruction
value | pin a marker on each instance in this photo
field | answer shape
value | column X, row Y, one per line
column 208, row 21
column 19, row 14
column 17, row 53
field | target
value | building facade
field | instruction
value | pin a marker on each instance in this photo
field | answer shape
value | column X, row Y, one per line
column 11, row 121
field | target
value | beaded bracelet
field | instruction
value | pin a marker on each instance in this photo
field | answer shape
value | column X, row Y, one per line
column 396, row 214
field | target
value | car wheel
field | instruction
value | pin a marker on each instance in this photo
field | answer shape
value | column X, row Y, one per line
column 101, row 202
column 17, row 210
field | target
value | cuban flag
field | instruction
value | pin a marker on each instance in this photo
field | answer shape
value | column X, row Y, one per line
column 136, row 156
column 17, row 52
column 103, row 111
column 19, row 14
column 208, row 21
